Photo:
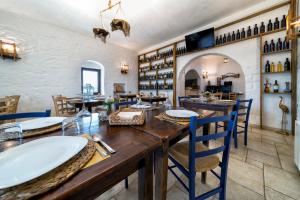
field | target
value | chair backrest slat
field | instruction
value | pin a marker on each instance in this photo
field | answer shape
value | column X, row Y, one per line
column 25, row 115
column 180, row 98
column 210, row 152
column 204, row 138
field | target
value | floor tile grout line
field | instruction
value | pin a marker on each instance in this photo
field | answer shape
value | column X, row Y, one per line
column 281, row 193
column 264, row 184
column 278, row 156
column 245, row 187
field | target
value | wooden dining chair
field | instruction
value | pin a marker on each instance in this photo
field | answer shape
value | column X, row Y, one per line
column 219, row 95
column 25, row 115
column 180, row 98
column 9, row 104
column 62, row 108
column 193, row 156
column 232, row 96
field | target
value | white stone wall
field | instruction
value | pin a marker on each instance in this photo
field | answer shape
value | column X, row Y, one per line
column 51, row 61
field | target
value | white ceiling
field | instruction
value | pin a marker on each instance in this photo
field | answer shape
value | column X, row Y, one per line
column 152, row 21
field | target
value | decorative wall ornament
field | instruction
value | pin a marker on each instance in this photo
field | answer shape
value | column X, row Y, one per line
column 230, row 75
column 116, row 23
column 9, row 49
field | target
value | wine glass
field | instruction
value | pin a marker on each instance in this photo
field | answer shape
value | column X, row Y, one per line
column 11, row 131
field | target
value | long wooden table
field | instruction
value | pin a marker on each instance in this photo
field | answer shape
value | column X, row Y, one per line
column 169, row 134
column 134, row 152
column 78, row 103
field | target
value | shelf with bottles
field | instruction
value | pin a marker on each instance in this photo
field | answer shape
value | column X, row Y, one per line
column 157, row 86
column 279, row 68
column 159, row 66
column 277, row 51
column 156, row 57
column 159, row 76
column 287, row 93
column 233, row 37
column 279, row 47
column 270, row 88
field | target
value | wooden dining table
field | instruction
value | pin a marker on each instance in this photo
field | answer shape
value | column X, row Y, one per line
column 169, row 134
column 134, row 152
column 78, row 103
column 154, row 99
column 128, row 96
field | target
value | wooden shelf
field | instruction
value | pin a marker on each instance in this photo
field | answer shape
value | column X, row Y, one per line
column 284, row 72
column 155, row 60
column 276, row 52
column 288, row 93
column 154, row 70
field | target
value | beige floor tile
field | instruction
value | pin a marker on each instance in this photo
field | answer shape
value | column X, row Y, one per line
column 247, row 175
column 290, row 139
column 274, row 195
column 254, row 136
column 288, row 164
column 264, row 158
column 274, row 138
column 236, row 191
column 282, row 181
column 263, row 147
column 286, row 150
column 240, row 153
column 255, row 163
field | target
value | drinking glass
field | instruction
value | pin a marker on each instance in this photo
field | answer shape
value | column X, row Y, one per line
column 102, row 116
column 11, row 131
column 168, row 104
column 70, row 122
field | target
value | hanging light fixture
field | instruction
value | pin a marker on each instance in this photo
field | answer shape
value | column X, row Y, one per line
column 116, row 24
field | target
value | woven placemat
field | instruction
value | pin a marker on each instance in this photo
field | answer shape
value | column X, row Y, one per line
column 41, row 131
column 51, row 179
column 175, row 120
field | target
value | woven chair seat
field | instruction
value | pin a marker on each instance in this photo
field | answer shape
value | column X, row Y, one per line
column 180, row 152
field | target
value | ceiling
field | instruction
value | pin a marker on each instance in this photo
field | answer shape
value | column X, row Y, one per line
column 152, row 21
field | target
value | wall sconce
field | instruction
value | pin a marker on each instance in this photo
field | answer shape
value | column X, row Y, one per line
column 205, row 75
column 124, row 69
column 9, row 49
column 226, row 60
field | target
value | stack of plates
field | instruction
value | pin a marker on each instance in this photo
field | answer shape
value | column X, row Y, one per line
column 181, row 114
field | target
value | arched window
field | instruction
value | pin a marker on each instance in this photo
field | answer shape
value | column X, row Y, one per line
column 92, row 72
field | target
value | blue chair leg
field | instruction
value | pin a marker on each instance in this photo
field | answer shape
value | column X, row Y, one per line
column 235, row 137
column 246, row 134
column 192, row 193
column 126, row 182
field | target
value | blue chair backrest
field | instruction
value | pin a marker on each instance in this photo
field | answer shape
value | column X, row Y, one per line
column 226, row 135
column 245, row 105
column 25, row 115
column 180, row 98
column 125, row 103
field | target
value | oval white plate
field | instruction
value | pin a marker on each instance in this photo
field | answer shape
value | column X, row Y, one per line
column 42, row 122
column 181, row 113
column 142, row 106
column 33, row 159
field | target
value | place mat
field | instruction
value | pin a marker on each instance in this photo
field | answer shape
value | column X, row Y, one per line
column 178, row 121
column 97, row 157
column 51, row 179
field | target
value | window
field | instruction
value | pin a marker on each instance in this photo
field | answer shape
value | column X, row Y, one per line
column 91, row 76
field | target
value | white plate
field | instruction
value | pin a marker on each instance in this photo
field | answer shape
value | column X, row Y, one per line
column 33, row 159
column 42, row 122
column 140, row 106
column 181, row 113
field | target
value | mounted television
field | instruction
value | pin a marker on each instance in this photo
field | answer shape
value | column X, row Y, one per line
column 201, row 40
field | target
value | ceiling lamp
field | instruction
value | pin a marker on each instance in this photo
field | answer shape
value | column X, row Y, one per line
column 116, row 24
column 226, row 60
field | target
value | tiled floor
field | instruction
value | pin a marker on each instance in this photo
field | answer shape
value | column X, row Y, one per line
column 264, row 170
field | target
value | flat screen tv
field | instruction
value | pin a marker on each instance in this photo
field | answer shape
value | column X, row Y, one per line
column 201, row 40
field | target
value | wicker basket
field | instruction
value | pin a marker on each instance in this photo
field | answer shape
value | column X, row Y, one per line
column 114, row 119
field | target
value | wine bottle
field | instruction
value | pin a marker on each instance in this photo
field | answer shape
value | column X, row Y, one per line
column 276, row 24
column 267, row 67
column 279, row 67
column 255, row 29
column 228, row 37
column 233, row 36
column 266, row 47
column 217, row 40
column 220, row 40
column 238, row 35
column 224, row 39
column 249, row 32
column 272, row 68
column 283, row 22
column 270, row 26
column 287, row 65
column 243, row 33
column 286, row 44
column 279, row 45
column 272, row 46
column 276, row 87
column 262, row 28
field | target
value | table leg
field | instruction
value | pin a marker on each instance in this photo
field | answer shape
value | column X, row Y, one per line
column 145, row 177
column 206, row 130
column 161, row 172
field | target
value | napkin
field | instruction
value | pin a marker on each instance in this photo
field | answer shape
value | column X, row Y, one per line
column 128, row 115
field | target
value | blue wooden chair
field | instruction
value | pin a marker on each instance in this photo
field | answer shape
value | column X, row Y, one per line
column 124, row 103
column 193, row 156
column 180, row 98
column 25, row 115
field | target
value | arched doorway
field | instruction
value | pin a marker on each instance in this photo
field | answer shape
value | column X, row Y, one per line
column 192, row 82
column 210, row 67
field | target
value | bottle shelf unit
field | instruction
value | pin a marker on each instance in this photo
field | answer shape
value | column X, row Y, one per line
column 283, row 72
column 286, row 93
column 277, row 52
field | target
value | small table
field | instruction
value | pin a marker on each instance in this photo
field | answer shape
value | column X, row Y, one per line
column 154, row 99
column 128, row 96
column 78, row 103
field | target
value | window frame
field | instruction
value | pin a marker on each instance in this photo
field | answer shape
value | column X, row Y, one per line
column 92, row 70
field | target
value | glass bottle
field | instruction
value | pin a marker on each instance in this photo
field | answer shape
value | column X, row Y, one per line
column 272, row 68
column 276, row 87
column 233, row 36
column 286, row 44
column 262, row 28
column 267, row 86
column 287, row 65
column 266, row 47
column 249, row 32
column 220, row 40
column 279, row 45
column 243, row 33
column 279, row 67
column 228, row 37
column 272, row 46
column 267, row 67
column 255, row 29
column 283, row 22
column 238, row 35
column 270, row 26
column 224, row 39
column 276, row 24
